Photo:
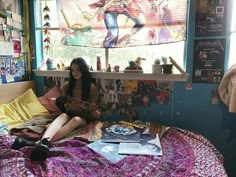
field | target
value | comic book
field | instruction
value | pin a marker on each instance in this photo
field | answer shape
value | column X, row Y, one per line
column 122, row 131
column 149, row 145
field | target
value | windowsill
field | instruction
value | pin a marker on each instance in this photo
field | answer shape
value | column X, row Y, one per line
column 118, row 75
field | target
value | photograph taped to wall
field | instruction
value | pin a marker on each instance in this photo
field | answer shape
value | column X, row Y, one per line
column 12, row 69
column 120, row 86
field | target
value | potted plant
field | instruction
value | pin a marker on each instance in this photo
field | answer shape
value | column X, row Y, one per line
column 156, row 67
column 49, row 64
column 167, row 68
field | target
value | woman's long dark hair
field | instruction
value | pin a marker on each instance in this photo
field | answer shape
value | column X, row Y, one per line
column 86, row 79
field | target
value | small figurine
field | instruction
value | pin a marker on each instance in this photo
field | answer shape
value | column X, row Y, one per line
column 58, row 66
column 117, row 68
column 138, row 61
column 91, row 68
column 63, row 66
column 135, row 65
column 109, row 68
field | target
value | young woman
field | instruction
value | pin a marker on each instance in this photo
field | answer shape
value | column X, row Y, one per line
column 78, row 87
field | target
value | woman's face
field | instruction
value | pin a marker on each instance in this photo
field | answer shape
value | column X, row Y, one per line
column 75, row 70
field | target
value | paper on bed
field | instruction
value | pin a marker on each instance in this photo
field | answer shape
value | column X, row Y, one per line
column 148, row 145
column 107, row 150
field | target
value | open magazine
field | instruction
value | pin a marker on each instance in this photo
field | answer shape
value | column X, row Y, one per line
column 149, row 145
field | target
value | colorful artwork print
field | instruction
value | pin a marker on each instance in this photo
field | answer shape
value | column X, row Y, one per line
column 131, row 86
column 112, row 97
column 161, row 96
column 121, row 23
column 211, row 17
column 12, row 69
column 144, row 94
column 208, row 63
column 17, row 46
column 121, row 129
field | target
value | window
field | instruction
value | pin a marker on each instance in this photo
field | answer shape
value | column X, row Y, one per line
column 232, row 53
column 116, row 56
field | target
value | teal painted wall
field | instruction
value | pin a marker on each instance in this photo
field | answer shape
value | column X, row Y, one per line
column 193, row 110
column 190, row 109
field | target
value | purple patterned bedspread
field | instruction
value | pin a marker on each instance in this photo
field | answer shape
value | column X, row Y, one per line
column 186, row 154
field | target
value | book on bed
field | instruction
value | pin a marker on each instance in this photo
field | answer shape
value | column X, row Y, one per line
column 122, row 131
column 149, row 145
column 107, row 150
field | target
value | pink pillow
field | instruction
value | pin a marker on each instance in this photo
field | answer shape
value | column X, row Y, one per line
column 46, row 102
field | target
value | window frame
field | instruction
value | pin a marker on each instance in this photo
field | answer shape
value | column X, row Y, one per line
column 106, row 53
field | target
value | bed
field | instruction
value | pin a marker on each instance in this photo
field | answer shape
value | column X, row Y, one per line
column 185, row 153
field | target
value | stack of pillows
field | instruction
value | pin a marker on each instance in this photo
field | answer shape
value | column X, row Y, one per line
column 28, row 106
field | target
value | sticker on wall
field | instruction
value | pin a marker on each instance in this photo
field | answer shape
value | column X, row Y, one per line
column 215, row 98
column 188, row 86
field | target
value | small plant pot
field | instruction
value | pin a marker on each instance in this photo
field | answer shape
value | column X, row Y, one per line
column 156, row 69
column 167, row 68
column 49, row 65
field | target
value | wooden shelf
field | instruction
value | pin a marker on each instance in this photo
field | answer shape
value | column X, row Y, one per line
column 116, row 75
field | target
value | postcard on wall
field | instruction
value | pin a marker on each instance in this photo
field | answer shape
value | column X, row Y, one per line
column 109, row 85
column 124, row 99
column 145, row 92
column 120, row 86
column 146, row 86
column 215, row 97
column 208, row 60
column 165, row 85
column 161, row 96
column 211, row 18
column 130, row 86
column 6, row 48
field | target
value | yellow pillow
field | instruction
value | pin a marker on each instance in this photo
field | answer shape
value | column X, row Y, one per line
column 21, row 109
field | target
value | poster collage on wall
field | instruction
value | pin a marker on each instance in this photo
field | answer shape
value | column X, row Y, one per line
column 12, row 56
column 209, row 51
column 126, row 96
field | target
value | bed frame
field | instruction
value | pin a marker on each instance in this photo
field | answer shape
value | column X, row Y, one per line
column 12, row 90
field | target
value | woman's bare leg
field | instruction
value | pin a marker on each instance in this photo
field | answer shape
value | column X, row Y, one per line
column 69, row 127
column 55, row 126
